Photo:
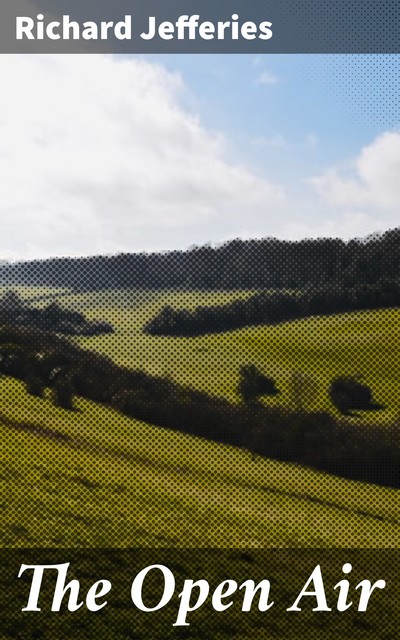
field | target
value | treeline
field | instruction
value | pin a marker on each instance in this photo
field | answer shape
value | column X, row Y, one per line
column 239, row 264
column 16, row 311
column 273, row 307
column 358, row 451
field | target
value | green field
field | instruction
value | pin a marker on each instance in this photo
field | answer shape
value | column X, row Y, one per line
column 93, row 477
column 96, row 478
column 366, row 343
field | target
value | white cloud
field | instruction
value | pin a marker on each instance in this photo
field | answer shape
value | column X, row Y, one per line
column 358, row 198
column 266, row 78
column 98, row 155
column 371, row 182
column 347, row 225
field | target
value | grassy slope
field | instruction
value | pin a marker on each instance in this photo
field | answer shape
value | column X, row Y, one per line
column 96, row 478
column 364, row 342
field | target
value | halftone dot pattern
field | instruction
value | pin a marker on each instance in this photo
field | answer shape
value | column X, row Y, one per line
column 221, row 440
column 365, row 87
column 341, row 26
column 310, row 26
column 130, row 438
column 286, row 570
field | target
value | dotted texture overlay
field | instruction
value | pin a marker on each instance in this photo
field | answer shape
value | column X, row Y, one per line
column 286, row 571
column 365, row 87
column 311, row 26
column 187, row 416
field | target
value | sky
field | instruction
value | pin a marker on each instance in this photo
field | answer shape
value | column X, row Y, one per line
column 109, row 154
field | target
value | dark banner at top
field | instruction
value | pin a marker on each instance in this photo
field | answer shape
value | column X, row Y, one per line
column 194, row 26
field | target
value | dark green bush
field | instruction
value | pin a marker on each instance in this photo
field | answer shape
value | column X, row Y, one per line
column 348, row 394
column 348, row 448
column 63, row 393
column 253, row 384
column 34, row 386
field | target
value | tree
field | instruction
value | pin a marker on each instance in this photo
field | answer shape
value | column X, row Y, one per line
column 34, row 386
column 253, row 384
column 349, row 393
column 63, row 393
column 11, row 301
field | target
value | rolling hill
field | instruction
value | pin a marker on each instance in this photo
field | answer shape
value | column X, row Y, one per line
column 95, row 478
column 365, row 343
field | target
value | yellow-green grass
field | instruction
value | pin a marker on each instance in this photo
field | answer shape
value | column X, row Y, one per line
column 365, row 343
column 93, row 477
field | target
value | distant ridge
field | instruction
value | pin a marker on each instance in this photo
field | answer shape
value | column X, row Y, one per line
column 238, row 264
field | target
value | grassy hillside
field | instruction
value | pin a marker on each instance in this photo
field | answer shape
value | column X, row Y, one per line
column 96, row 478
column 364, row 343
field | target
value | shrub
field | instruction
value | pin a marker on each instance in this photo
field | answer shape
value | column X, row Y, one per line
column 253, row 384
column 348, row 393
column 34, row 386
column 63, row 393
column 13, row 360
